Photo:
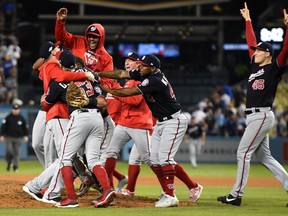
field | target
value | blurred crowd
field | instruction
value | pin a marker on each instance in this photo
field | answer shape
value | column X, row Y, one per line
column 10, row 53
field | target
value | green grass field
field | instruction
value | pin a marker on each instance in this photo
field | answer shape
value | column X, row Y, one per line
column 257, row 200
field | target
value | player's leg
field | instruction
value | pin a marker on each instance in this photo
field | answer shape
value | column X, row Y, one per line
column 256, row 131
column 173, row 132
column 141, row 140
column 109, row 127
column 195, row 189
column 258, row 126
column 49, row 154
column 54, row 133
column 264, row 156
column 119, row 139
column 122, row 179
column 57, row 127
column 38, row 131
column 43, row 180
column 75, row 135
column 92, row 152
column 156, row 167
column 133, row 172
column 192, row 151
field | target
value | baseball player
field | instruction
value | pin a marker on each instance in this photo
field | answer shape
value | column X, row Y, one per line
column 265, row 75
column 57, row 118
column 135, row 123
column 82, row 130
column 49, row 69
column 109, row 125
column 171, row 125
column 195, row 137
column 90, row 48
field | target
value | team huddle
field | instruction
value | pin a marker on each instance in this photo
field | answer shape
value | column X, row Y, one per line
column 86, row 117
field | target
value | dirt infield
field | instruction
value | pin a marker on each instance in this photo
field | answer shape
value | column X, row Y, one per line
column 13, row 196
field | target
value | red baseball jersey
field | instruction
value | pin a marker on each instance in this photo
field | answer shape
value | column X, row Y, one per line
column 51, row 70
column 134, row 111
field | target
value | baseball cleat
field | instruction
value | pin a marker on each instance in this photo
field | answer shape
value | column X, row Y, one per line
column 229, row 199
column 36, row 196
column 195, row 193
column 67, row 203
column 167, row 201
column 106, row 199
column 126, row 192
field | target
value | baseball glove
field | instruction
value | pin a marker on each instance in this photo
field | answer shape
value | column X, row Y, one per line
column 75, row 97
column 87, row 182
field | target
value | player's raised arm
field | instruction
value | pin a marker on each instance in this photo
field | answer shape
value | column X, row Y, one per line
column 283, row 55
column 245, row 12
column 250, row 35
column 285, row 20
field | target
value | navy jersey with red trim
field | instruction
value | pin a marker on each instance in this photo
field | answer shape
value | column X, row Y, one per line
column 262, row 84
column 57, row 92
column 158, row 93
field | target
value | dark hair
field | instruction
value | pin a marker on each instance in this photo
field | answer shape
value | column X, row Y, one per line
column 79, row 62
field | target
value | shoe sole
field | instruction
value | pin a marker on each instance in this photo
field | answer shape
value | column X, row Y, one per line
column 174, row 205
column 49, row 201
column 67, row 206
column 107, row 201
column 26, row 189
column 167, row 206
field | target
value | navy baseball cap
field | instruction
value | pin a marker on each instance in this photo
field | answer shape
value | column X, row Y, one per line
column 133, row 56
column 46, row 49
column 264, row 46
column 150, row 61
column 67, row 59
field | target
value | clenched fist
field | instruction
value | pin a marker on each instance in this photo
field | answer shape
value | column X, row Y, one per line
column 62, row 14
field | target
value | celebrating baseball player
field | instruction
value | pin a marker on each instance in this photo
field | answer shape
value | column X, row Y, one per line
column 82, row 130
column 90, row 48
column 135, row 124
column 49, row 69
column 170, row 127
column 57, row 117
column 78, row 103
column 266, row 72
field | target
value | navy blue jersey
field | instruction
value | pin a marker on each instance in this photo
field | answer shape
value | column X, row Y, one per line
column 157, row 93
column 57, row 92
column 262, row 84
column 195, row 131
